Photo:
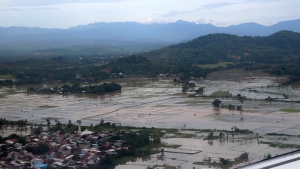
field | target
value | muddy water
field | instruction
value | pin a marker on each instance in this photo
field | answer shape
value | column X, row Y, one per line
column 215, row 149
column 160, row 103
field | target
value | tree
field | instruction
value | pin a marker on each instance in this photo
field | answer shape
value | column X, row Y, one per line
column 210, row 136
column 41, row 148
column 3, row 148
column 200, row 90
column 224, row 161
column 156, row 140
column 107, row 160
column 244, row 156
column 231, row 107
column 221, row 134
column 239, row 108
column 101, row 122
column 22, row 140
column 162, row 152
column 216, row 103
column 76, row 157
column 269, row 156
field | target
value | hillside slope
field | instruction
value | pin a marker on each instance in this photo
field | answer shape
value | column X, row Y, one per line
column 212, row 48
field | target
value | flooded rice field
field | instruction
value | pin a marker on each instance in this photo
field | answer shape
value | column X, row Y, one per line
column 193, row 150
column 161, row 104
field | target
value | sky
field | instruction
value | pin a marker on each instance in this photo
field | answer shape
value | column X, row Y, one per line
column 70, row 13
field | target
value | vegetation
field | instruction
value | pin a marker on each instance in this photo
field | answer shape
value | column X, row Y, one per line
column 220, row 64
column 224, row 163
column 216, row 103
column 220, row 47
column 277, row 54
column 271, row 54
column 41, row 148
column 142, row 65
column 221, row 94
column 6, row 77
column 66, row 89
column 20, row 123
column 290, row 110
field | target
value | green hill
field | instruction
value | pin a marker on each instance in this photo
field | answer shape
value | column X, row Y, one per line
column 214, row 48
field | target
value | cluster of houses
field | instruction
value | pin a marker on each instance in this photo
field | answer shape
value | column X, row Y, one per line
column 118, row 75
column 62, row 149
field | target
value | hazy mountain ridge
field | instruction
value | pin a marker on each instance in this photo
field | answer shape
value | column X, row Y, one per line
column 24, row 40
column 170, row 32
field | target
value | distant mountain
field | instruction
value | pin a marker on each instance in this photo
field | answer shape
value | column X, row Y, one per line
column 213, row 48
column 129, row 31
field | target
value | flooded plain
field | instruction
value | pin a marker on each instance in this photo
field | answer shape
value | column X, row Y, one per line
column 161, row 104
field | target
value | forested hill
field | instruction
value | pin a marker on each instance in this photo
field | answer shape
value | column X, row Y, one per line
column 213, row 48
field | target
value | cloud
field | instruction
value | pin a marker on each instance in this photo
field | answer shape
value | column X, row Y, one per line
column 67, row 13
column 172, row 13
column 201, row 8
column 147, row 21
column 215, row 5
column 151, row 20
column 12, row 3
column 201, row 21
column 25, row 9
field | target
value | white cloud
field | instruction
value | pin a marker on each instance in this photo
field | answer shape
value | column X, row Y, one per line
column 201, row 21
column 147, row 21
column 68, row 13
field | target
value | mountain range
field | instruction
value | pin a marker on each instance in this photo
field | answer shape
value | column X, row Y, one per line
column 31, row 39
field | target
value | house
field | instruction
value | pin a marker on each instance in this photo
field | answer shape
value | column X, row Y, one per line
column 40, row 166
column 65, row 150
column 84, row 144
column 17, row 166
column 36, row 160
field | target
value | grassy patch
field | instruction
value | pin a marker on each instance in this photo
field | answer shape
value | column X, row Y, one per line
column 251, row 111
column 98, row 64
column 221, row 94
column 46, row 106
column 10, row 92
column 183, row 135
column 278, row 134
column 290, row 110
column 7, row 77
column 211, row 66
column 280, row 145
column 213, row 164
column 223, row 165
column 216, row 164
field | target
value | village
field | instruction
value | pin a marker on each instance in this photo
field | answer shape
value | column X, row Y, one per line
column 43, row 149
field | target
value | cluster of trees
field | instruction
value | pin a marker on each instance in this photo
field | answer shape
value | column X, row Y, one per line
column 6, row 82
column 137, row 64
column 186, row 86
column 57, row 69
column 41, row 148
column 21, row 122
column 232, row 107
column 75, row 88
